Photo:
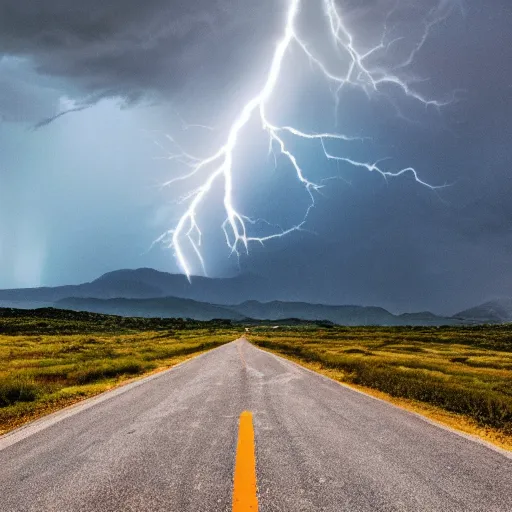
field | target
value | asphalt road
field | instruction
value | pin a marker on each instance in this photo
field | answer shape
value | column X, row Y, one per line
column 168, row 444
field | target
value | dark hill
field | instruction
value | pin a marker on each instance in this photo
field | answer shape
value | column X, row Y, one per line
column 343, row 315
column 494, row 311
column 168, row 307
column 145, row 283
column 346, row 315
column 274, row 312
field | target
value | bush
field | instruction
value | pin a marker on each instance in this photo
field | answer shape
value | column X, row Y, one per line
column 94, row 372
column 17, row 389
column 162, row 353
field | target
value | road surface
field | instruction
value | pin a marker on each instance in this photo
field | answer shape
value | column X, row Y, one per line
column 168, row 443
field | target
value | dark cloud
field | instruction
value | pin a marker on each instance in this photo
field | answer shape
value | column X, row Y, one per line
column 48, row 120
column 132, row 49
column 394, row 244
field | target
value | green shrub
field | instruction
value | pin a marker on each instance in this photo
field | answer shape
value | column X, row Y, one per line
column 163, row 352
column 93, row 372
column 17, row 389
column 355, row 351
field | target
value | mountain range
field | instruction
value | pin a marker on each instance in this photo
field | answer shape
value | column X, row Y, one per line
column 150, row 293
column 272, row 311
column 147, row 283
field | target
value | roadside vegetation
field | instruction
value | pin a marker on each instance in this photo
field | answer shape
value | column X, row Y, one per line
column 461, row 376
column 53, row 358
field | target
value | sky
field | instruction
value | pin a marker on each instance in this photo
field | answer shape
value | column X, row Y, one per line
column 95, row 99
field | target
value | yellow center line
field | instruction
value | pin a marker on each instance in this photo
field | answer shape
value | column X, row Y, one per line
column 244, row 487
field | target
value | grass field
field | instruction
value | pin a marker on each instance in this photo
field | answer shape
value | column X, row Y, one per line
column 465, row 372
column 52, row 359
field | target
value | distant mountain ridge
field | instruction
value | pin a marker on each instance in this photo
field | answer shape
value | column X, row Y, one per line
column 493, row 311
column 147, row 292
column 348, row 315
column 166, row 307
column 146, row 283
column 275, row 311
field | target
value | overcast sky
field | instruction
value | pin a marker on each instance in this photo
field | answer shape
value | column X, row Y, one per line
column 89, row 91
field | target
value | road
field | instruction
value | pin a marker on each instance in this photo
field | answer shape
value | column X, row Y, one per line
column 168, row 443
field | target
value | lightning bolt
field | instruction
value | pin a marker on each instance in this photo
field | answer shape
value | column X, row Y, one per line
column 219, row 165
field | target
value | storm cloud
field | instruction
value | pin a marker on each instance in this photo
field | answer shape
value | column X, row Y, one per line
column 131, row 50
column 80, row 195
